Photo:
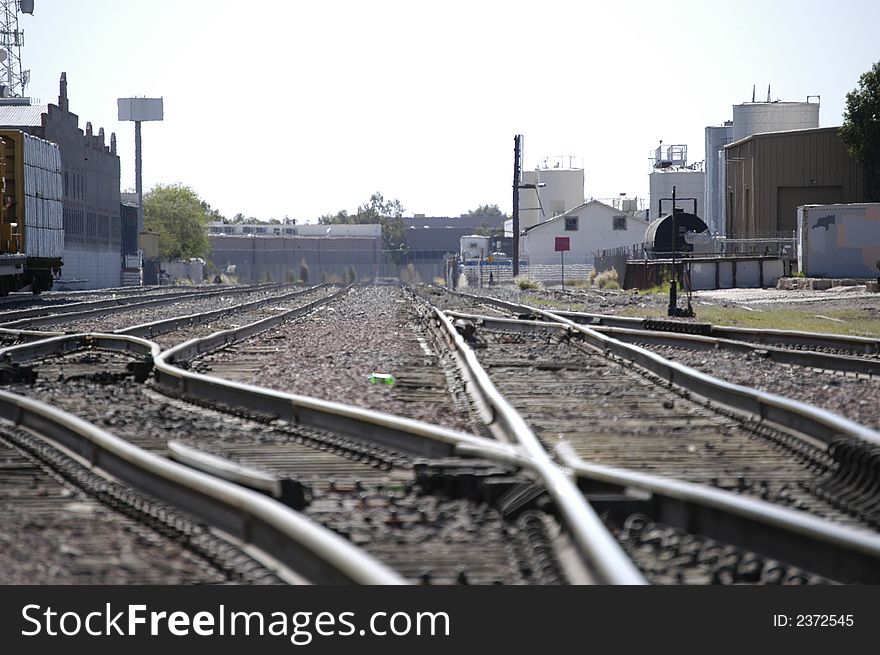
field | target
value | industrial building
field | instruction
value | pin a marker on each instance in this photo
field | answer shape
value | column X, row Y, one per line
column 717, row 137
column 591, row 227
column 91, row 200
column 769, row 175
column 748, row 118
column 433, row 237
column 670, row 169
column 553, row 188
column 277, row 252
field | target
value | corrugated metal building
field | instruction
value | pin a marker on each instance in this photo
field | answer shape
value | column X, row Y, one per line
column 770, row 175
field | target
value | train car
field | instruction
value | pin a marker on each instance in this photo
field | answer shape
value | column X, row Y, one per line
column 31, row 212
column 659, row 235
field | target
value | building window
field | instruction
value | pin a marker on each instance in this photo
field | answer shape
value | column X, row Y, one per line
column 619, row 222
column 571, row 223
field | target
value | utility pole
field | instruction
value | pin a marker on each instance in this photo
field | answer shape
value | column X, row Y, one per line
column 673, row 285
column 517, row 177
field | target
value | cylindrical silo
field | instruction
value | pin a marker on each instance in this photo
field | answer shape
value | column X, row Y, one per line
column 759, row 117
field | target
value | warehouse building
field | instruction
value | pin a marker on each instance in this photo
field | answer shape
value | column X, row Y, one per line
column 281, row 253
column 591, row 228
column 768, row 176
column 92, row 229
column 748, row 118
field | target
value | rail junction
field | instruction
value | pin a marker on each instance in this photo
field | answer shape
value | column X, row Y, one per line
column 211, row 435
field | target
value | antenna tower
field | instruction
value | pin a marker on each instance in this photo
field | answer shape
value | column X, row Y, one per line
column 13, row 80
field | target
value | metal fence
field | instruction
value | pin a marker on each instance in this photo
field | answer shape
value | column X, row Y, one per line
column 478, row 274
column 783, row 245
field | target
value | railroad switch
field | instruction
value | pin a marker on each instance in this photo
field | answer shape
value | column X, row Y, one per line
column 468, row 331
column 479, row 481
column 17, row 374
column 141, row 369
column 295, row 494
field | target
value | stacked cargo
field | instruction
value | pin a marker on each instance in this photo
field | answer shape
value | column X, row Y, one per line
column 43, row 196
column 31, row 212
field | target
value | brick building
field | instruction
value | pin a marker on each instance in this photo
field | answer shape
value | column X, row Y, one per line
column 92, row 229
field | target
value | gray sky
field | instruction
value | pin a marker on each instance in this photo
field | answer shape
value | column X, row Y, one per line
column 288, row 107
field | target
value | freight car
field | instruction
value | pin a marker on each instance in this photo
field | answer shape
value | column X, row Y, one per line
column 31, row 211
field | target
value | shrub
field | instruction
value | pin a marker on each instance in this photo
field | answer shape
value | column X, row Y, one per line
column 409, row 275
column 606, row 279
column 527, row 284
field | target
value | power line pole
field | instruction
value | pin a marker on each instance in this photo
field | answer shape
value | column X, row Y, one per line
column 517, row 178
column 13, row 79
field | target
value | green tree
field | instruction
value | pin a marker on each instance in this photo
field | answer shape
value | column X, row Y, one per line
column 180, row 217
column 861, row 129
column 387, row 213
column 484, row 230
column 487, row 210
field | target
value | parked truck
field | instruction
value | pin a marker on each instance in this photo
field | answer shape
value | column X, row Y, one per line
column 31, row 212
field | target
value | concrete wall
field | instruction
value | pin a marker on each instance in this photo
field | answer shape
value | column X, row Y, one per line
column 90, row 267
column 839, row 240
column 718, row 273
column 279, row 259
column 193, row 270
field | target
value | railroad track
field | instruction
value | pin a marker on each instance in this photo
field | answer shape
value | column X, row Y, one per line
column 64, row 524
column 399, row 515
column 511, row 502
column 845, row 383
column 72, row 316
column 608, row 414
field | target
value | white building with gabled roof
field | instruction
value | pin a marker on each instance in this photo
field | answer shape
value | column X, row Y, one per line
column 591, row 227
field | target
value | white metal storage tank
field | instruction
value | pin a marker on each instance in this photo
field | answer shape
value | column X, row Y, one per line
column 688, row 184
column 717, row 137
column 758, row 117
column 563, row 190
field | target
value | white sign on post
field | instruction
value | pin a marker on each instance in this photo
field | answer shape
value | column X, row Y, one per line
column 141, row 109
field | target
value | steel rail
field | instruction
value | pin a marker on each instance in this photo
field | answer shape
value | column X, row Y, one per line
column 131, row 298
column 225, row 469
column 299, row 543
column 851, row 343
column 68, row 343
column 66, row 308
column 27, row 334
column 402, row 434
column 155, row 328
column 806, row 419
column 806, row 358
column 407, row 435
column 104, row 311
column 603, row 555
column 839, row 552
